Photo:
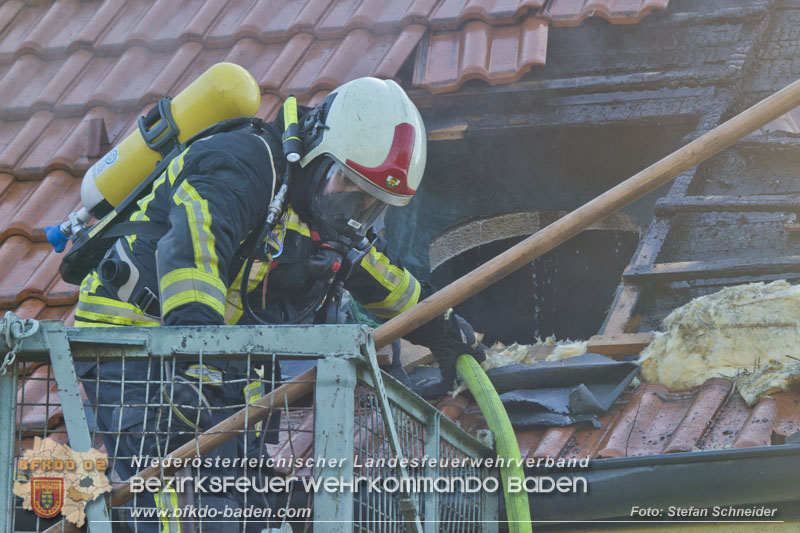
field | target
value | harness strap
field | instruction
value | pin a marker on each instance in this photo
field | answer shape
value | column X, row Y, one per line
column 136, row 227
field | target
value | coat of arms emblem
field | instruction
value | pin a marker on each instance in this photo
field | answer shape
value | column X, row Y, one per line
column 47, row 495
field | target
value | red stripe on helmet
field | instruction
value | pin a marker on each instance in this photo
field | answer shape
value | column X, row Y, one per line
column 394, row 166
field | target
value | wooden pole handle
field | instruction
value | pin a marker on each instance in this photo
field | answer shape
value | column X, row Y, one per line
column 590, row 213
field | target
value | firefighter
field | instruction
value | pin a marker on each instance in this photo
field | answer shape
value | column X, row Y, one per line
column 364, row 150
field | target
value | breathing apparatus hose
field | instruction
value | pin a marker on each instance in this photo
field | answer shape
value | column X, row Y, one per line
column 517, row 509
column 292, row 150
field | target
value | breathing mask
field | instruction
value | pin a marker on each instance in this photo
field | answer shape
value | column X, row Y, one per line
column 343, row 211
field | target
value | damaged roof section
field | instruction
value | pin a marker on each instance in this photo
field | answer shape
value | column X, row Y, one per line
column 654, row 419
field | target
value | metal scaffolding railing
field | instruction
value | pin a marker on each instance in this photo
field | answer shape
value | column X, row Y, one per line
column 142, row 394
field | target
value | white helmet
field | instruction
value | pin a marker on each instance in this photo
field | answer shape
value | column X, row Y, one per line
column 375, row 133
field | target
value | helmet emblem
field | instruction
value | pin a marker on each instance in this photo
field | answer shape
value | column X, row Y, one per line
column 392, row 182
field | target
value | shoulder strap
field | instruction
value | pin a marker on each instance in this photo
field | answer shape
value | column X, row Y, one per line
column 227, row 125
column 138, row 227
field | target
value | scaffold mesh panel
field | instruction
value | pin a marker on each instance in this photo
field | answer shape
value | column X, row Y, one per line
column 201, row 399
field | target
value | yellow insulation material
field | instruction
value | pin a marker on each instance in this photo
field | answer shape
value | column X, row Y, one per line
column 749, row 333
column 501, row 355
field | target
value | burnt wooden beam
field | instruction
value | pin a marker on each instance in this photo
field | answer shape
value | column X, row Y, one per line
column 670, row 205
column 631, row 83
column 719, row 283
column 448, row 133
column 621, row 317
column 792, row 226
column 775, row 141
column 488, row 113
column 688, row 270
column 619, row 343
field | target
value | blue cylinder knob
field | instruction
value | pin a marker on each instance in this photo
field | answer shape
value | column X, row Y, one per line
column 56, row 237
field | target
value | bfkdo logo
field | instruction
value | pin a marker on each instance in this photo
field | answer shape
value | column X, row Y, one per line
column 47, row 495
column 53, row 478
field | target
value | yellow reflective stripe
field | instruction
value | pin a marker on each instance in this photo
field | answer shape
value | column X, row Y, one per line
column 182, row 279
column 403, row 298
column 234, row 310
column 175, row 167
column 112, row 311
column 81, row 324
column 207, row 374
column 252, row 393
column 90, row 283
column 167, row 501
column 140, row 215
column 199, row 219
column 105, row 319
column 102, row 309
column 404, row 289
column 145, row 202
column 188, row 285
column 177, row 412
column 382, row 270
column 233, row 307
column 294, row 223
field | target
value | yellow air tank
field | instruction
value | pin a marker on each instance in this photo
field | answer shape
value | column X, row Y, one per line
column 223, row 91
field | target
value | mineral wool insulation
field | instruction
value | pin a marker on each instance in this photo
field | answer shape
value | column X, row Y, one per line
column 501, row 355
column 748, row 333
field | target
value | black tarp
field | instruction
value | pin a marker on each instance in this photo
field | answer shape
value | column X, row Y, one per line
column 558, row 393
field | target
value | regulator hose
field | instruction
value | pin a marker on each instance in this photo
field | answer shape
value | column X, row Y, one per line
column 517, row 510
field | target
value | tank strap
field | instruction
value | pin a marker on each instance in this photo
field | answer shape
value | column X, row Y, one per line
column 228, row 125
column 139, row 227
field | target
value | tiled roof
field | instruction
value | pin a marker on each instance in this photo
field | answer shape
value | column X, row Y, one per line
column 65, row 63
column 654, row 419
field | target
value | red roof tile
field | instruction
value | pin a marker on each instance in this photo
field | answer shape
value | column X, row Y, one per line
column 573, row 12
column 35, row 406
column 453, row 13
column 494, row 54
column 38, row 309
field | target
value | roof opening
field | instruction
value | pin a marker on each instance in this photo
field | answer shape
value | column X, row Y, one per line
column 563, row 293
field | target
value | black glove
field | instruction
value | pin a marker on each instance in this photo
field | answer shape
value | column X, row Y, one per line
column 457, row 338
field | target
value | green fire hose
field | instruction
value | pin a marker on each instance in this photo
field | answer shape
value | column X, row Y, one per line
column 517, row 510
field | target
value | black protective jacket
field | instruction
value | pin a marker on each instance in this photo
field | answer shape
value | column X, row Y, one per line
column 212, row 197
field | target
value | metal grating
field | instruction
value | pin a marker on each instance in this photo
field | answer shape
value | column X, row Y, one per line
column 138, row 410
column 459, row 512
column 422, row 435
column 137, row 397
column 371, row 448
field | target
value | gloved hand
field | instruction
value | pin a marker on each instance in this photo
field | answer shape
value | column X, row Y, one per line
column 458, row 338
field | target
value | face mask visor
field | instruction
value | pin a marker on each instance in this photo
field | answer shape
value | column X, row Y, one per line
column 343, row 204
